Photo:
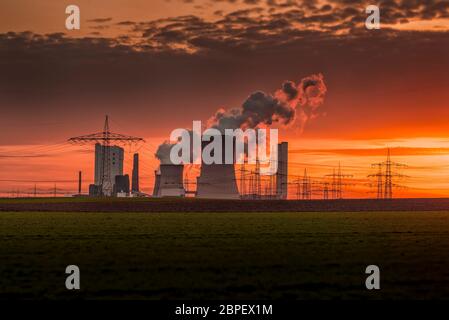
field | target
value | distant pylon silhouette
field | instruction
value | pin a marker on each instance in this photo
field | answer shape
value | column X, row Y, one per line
column 326, row 191
column 306, row 187
column 388, row 192
column 385, row 180
column 337, row 182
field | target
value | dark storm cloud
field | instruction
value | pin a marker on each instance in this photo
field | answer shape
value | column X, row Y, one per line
column 393, row 11
column 187, row 38
column 252, row 26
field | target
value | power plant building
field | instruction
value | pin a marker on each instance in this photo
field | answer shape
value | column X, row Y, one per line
column 121, row 185
column 218, row 180
column 116, row 156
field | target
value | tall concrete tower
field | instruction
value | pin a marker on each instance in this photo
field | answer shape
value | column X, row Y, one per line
column 116, row 155
column 135, row 174
column 282, row 173
column 217, row 181
column 157, row 183
column 169, row 181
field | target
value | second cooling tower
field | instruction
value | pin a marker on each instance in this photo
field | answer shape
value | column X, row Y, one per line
column 217, row 181
column 169, row 181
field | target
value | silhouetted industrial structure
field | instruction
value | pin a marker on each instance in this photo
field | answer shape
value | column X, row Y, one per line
column 337, row 183
column 282, row 171
column 108, row 157
column 79, row 182
column 135, row 174
column 306, row 188
column 121, row 185
column 384, row 176
column 169, row 181
column 254, row 185
column 217, row 181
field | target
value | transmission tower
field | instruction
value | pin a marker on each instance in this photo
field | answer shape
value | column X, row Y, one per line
column 252, row 186
column 306, row 187
column 242, row 180
column 378, row 175
column 272, row 188
column 106, row 138
column 326, row 191
column 337, row 183
column 385, row 179
column 258, row 182
column 298, row 189
column 388, row 191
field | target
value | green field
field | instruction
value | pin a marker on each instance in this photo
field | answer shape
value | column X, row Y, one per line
column 216, row 255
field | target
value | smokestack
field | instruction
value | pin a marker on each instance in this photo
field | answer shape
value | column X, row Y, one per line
column 79, row 182
column 157, row 183
column 135, row 174
column 217, row 181
column 169, row 181
column 282, row 173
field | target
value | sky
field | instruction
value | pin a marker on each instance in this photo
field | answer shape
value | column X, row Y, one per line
column 154, row 66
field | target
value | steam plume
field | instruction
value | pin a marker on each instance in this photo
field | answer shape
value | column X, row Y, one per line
column 292, row 103
column 265, row 109
column 163, row 152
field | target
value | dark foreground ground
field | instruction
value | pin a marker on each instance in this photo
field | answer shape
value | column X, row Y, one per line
column 85, row 204
column 228, row 255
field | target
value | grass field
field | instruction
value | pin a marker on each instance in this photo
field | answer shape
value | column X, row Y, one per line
column 224, row 255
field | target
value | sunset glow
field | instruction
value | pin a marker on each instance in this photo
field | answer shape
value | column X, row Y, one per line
column 158, row 65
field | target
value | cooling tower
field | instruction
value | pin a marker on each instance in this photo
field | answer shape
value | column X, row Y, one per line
column 282, row 172
column 169, row 181
column 217, row 181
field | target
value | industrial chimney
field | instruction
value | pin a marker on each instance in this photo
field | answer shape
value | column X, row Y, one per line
column 169, row 181
column 79, row 182
column 135, row 174
column 282, row 172
column 157, row 182
column 217, row 181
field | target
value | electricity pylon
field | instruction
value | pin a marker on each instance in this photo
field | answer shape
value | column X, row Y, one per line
column 337, row 183
column 378, row 176
column 306, row 187
column 385, row 179
column 106, row 138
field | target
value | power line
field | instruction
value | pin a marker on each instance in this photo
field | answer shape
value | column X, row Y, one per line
column 385, row 175
column 337, row 183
